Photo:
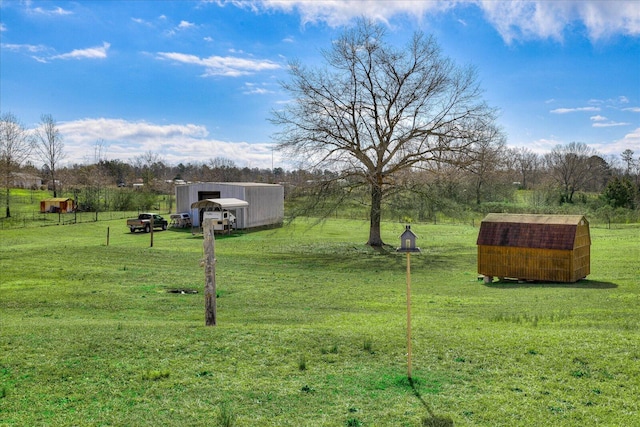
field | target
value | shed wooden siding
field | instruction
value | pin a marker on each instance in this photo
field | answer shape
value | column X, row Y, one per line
column 534, row 247
column 57, row 204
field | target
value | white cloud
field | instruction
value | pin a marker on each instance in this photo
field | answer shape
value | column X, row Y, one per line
column 186, row 24
column 141, row 21
column 229, row 66
column 632, row 109
column 573, row 110
column 3, row 27
column 125, row 140
column 598, row 118
column 98, row 52
column 254, row 89
column 30, row 48
column 182, row 26
column 528, row 19
column 514, row 20
column 55, row 11
column 540, row 146
column 630, row 141
column 341, row 12
column 609, row 124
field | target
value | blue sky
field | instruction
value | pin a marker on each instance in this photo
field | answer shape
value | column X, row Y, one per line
column 195, row 80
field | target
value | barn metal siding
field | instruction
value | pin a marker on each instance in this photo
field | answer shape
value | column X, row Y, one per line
column 266, row 205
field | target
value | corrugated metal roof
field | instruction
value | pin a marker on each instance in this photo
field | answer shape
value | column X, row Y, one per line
column 57, row 199
column 246, row 184
column 535, row 218
column 228, row 203
column 530, row 231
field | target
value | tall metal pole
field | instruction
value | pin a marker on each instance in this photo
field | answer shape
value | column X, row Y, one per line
column 409, row 315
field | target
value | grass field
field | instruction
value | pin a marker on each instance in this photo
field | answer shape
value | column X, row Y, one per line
column 311, row 332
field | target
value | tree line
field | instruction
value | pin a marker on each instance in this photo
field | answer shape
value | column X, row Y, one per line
column 376, row 128
column 392, row 123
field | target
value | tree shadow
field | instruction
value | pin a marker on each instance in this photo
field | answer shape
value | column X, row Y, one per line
column 580, row 284
column 432, row 420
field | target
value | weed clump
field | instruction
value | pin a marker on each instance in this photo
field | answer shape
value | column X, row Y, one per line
column 367, row 345
column 154, row 375
column 302, row 363
column 226, row 417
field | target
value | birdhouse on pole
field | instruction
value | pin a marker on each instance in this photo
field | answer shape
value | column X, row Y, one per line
column 408, row 241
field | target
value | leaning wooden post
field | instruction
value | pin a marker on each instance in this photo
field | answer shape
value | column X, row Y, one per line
column 209, row 274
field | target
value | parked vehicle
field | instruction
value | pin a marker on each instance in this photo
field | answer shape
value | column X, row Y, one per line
column 143, row 222
column 223, row 220
column 180, row 220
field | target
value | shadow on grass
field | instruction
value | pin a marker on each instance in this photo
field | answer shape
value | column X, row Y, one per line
column 581, row 284
column 432, row 420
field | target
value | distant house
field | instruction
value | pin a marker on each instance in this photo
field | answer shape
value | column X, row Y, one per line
column 57, row 205
column 25, row 180
column 554, row 248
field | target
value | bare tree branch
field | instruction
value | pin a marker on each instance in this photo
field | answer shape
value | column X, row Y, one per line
column 375, row 111
column 15, row 148
column 49, row 147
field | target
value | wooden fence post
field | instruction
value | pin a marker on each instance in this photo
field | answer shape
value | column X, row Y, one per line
column 209, row 274
column 151, row 232
column 409, row 315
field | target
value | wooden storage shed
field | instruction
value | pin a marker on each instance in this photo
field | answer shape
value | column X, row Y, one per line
column 555, row 248
column 57, row 205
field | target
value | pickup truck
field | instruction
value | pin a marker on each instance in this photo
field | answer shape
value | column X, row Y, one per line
column 143, row 222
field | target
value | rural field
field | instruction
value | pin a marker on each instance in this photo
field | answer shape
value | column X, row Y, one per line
column 311, row 331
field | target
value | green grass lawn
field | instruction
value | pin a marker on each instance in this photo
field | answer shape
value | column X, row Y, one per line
column 311, row 331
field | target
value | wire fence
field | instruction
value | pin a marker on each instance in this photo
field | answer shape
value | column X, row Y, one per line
column 38, row 219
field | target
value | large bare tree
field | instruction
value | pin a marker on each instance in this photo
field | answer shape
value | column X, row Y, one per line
column 627, row 158
column 570, row 167
column 374, row 111
column 49, row 147
column 527, row 164
column 15, row 147
column 487, row 158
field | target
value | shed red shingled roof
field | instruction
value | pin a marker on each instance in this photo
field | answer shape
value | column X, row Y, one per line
column 529, row 231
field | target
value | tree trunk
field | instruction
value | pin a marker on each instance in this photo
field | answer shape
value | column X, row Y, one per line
column 375, row 239
column 8, row 210
column 53, row 180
